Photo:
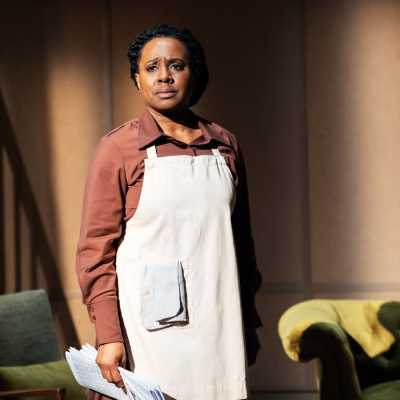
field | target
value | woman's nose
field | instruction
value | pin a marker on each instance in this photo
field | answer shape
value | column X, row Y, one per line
column 164, row 74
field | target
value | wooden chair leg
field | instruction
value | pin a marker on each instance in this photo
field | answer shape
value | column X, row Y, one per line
column 57, row 393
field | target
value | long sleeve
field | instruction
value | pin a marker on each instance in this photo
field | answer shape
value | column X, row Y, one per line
column 101, row 228
column 249, row 275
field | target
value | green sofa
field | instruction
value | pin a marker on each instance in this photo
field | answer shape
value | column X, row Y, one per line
column 31, row 363
column 346, row 371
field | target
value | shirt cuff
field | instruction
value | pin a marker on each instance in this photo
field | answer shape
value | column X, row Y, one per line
column 105, row 315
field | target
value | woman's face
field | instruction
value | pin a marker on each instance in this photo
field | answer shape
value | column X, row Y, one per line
column 164, row 77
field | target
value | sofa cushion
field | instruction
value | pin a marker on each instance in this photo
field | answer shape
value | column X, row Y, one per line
column 384, row 367
column 55, row 374
column 383, row 391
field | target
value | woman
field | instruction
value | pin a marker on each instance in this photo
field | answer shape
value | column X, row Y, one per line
column 166, row 217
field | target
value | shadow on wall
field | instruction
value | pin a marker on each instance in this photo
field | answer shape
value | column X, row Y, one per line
column 28, row 227
column 41, row 256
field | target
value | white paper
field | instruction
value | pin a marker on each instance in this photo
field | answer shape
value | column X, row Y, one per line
column 87, row 373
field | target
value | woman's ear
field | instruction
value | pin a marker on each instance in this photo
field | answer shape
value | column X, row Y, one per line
column 137, row 80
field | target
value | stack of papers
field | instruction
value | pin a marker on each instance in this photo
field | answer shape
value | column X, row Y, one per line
column 87, row 373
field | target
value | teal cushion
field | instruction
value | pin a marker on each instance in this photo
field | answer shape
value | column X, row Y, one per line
column 383, row 391
column 55, row 374
column 29, row 336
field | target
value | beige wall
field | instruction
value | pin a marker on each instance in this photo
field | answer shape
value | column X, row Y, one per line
column 353, row 91
column 79, row 113
column 312, row 95
column 55, row 88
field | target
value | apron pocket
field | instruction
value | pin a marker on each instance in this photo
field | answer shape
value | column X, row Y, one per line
column 163, row 296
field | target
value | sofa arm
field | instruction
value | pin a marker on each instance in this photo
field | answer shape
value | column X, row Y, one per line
column 338, row 377
column 57, row 393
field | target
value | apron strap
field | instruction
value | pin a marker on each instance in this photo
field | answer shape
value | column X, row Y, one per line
column 151, row 152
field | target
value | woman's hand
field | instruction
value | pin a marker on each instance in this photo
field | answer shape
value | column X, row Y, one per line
column 109, row 357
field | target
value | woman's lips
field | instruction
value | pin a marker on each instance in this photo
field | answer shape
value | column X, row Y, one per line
column 165, row 94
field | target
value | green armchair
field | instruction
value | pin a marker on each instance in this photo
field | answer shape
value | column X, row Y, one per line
column 31, row 363
column 346, row 372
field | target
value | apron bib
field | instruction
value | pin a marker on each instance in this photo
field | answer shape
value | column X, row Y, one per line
column 178, row 283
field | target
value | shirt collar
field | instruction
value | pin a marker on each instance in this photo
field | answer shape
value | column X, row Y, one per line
column 149, row 131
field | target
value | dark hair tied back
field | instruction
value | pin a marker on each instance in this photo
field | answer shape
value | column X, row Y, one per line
column 197, row 59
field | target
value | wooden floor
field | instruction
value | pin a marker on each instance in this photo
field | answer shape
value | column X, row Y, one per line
column 284, row 396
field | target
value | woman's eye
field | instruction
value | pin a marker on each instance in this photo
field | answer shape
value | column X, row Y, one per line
column 178, row 67
column 150, row 68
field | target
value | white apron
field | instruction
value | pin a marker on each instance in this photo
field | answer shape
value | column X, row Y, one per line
column 184, row 219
